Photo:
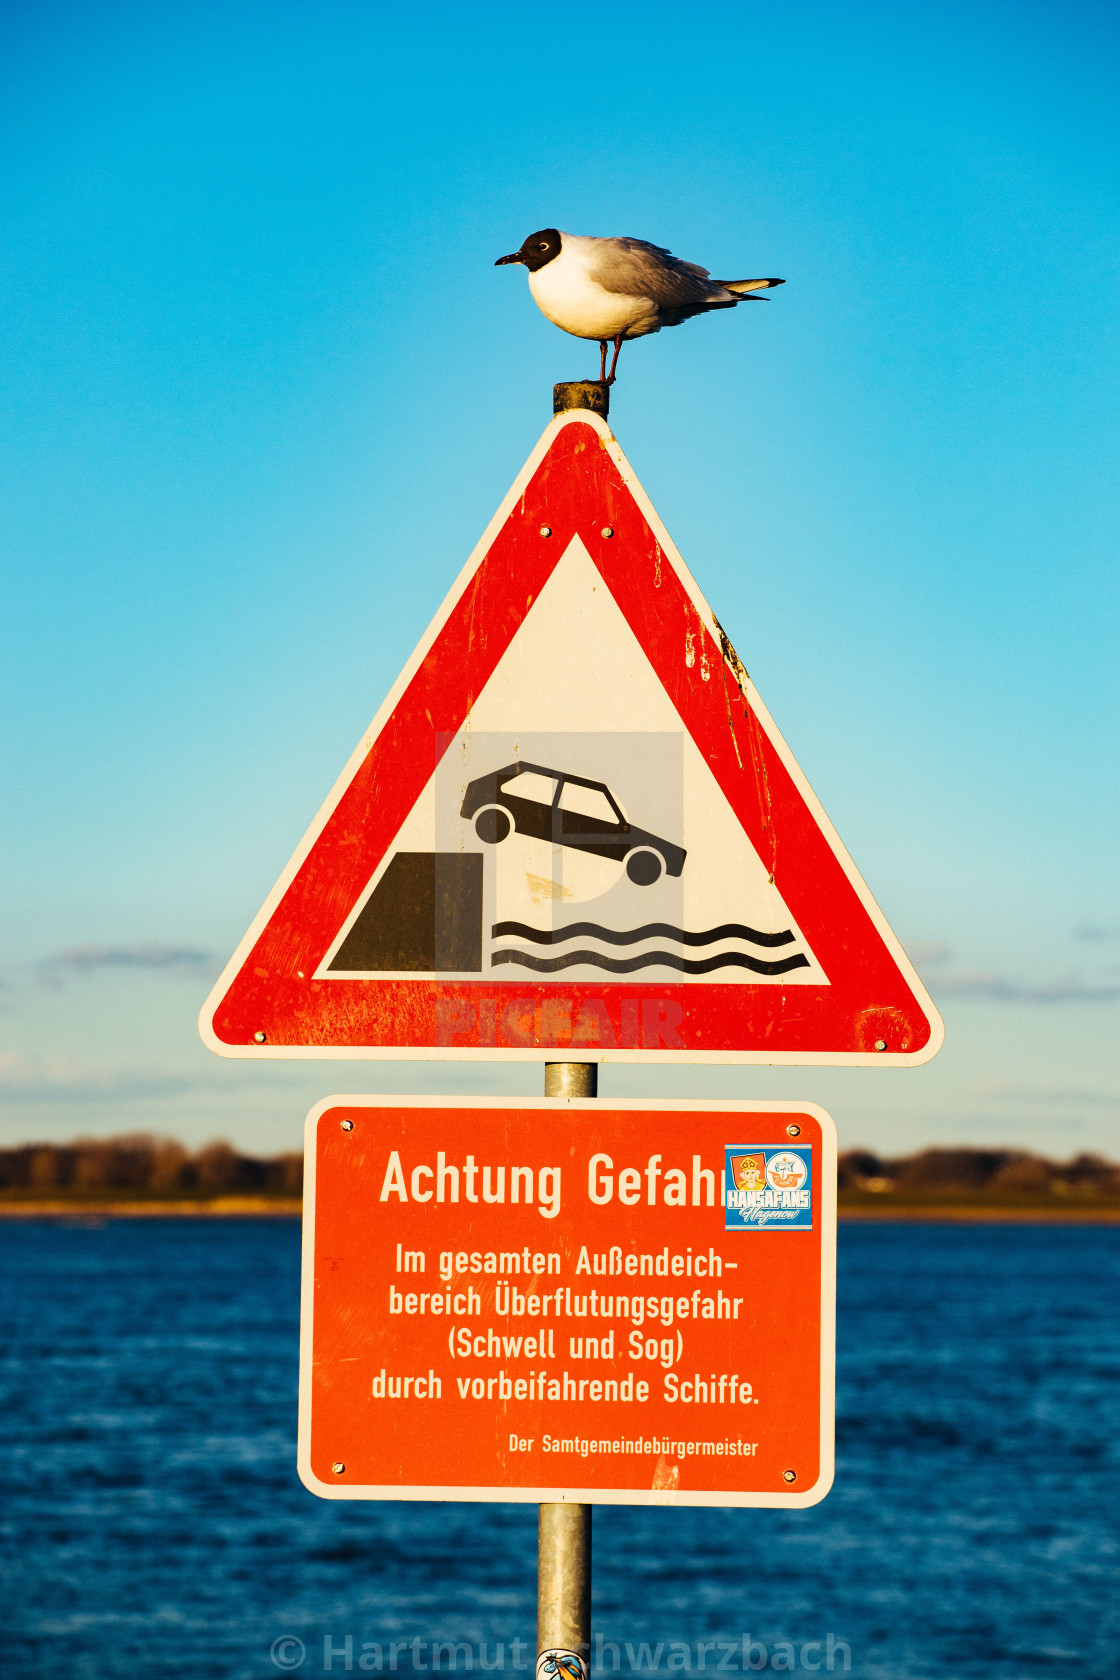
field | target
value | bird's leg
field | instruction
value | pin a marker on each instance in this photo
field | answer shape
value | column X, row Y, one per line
column 614, row 363
column 602, row 360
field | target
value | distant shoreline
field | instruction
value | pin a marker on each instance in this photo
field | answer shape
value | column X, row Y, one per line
column 140, row 1176
column 964, row 1214
column 291, row 1207
column 221, row 1207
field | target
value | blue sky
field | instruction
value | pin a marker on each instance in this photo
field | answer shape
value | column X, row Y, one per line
column 264, row 389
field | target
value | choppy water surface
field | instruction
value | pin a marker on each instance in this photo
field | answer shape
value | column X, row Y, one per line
column 152, row 1523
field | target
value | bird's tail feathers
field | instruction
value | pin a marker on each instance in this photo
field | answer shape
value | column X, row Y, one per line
column 746, row 288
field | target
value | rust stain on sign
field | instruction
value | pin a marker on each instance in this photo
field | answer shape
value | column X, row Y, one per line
column 730, row 657
column 762, row 780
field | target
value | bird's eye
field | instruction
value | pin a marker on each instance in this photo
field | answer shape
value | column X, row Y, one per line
column 543, row 246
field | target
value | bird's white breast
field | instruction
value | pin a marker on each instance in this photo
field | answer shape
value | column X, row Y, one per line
column 564, row 291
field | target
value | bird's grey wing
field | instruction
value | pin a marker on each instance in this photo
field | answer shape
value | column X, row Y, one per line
column 638, row 269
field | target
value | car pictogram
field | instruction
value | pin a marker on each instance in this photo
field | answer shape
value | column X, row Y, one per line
column 568, row 810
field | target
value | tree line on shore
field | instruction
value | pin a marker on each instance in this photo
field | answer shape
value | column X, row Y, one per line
column 143, row 1167
column 991, row 1175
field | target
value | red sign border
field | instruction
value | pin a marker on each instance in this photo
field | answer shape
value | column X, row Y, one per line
column 260, row 985
column 570, row 1495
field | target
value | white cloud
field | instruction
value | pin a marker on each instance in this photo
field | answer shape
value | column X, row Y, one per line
column 56, row 1079
column 979, row 983
column 927, row 953
column 161, row 959
column 1005, row 1090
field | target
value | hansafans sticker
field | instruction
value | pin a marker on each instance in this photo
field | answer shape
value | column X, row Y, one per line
column 768, row 1189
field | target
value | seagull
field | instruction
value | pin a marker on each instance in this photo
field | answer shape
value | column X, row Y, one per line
column 620, row 288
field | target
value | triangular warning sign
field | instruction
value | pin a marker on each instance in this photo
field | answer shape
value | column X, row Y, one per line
column 573, row 827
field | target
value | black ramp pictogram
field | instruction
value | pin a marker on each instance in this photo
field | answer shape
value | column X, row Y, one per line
column 424, row 916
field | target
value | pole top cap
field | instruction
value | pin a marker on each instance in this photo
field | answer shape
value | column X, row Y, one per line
column 594, row 394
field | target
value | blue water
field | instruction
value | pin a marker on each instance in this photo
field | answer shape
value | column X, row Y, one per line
column 151, row 1522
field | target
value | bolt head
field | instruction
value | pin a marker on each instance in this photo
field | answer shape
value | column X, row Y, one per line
column 259, row 1038
column 793, row 1131
column 608, row 531
column 348, row 1125
column 546, row 530
column 338, row 1467
column 787, row 1475
column 880, row 1044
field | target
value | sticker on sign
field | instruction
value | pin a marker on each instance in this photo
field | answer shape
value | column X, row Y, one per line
column 768, row 1189
column 537, row 1301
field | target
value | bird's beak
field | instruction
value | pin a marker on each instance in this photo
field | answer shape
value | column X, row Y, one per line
column 514, row 256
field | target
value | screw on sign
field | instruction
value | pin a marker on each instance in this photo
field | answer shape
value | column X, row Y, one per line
column 630, row 1303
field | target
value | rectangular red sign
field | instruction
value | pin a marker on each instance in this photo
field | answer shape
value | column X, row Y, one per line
column 620, row 1303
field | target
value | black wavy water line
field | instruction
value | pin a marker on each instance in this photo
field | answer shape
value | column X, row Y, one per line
column 649, row 959
column 652, row 930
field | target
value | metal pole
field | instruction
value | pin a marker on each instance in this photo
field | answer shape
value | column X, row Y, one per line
column 564, row 1531
column 571, row 1079
column 594, row 394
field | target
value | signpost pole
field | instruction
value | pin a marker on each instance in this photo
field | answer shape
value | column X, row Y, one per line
column 564, row 1531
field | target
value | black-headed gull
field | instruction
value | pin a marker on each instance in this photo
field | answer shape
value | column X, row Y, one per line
column 620, row 288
